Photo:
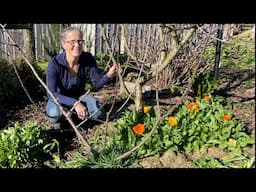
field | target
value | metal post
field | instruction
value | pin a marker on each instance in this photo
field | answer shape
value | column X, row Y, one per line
column 218, row 50
column 35, row 40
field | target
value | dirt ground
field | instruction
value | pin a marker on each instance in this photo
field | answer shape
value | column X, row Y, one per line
column 238, row 86
column 232, row 87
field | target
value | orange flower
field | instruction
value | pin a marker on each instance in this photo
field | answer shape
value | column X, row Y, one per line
column 194, row 106
column 226, row 117
column 138, row 129
column 207, row 97
column 190, row 105
column 172, row 121
column 147, row 109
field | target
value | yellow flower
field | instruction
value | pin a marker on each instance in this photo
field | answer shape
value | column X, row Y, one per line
column 172, row 121
column 232, row 142
column 56, row 158
column 139, row 129
column 147, row 109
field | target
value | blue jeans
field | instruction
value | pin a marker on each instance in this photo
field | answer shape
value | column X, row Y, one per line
column 93, row 106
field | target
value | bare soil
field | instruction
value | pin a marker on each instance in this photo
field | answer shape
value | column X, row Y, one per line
column 232, row 87
column 237, row 86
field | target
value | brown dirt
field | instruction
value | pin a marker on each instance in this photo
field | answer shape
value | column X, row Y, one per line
column 233, row 87
column 242, row 98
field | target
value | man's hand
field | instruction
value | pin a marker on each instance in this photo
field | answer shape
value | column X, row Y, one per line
column 81, row 110
column 114, row 69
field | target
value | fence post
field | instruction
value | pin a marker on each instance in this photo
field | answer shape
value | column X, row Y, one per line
column 218, row 50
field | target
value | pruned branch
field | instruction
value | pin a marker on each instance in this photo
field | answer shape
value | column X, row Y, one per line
column 122, row 85
column 172, row 53
column 80, row 137
column 20, row 81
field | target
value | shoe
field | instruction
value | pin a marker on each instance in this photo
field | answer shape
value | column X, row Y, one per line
column 60, row 128
column 56, row 126
column 54, row 133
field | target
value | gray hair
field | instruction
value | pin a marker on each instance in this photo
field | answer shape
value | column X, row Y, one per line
column 67, row 30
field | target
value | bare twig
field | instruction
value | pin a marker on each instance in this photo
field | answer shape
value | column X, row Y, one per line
column 146, row 138
column 80, row 137
column 122, row 85
column 175, row 49
column 213, row 37
column 159, row 118
column 150, row 133
column 21, row 83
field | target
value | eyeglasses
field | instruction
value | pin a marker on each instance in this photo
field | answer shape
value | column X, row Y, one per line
column 73, row 42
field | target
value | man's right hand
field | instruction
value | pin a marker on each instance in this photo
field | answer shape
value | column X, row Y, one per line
column 81, row 110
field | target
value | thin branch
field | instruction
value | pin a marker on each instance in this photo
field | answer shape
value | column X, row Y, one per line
column 150, row 133
column 146, row 138
column 9, row 44
column 147, row 47
column 159, row 118
column 157, row 95
column 122, row 85
column 175, row 49
column 132, row 92
column 127, row 47
column 20, row 81
column 80, row 137
column 213, row 37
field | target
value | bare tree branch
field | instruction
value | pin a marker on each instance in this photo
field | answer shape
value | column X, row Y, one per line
column 172, row 53
column 122, row 85
column 20, row 81
column 80, row 137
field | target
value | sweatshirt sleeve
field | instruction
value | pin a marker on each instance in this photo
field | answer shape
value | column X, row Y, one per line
column 98, row 80
column 51, row 81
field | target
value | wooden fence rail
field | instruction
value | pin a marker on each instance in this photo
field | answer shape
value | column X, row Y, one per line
column 45, row 38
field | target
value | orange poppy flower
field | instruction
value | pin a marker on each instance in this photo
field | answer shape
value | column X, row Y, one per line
column 226, row 117
column 194, row 106
column 172, row 121
column 207, row 97
column 138, row 129
column 190, row 105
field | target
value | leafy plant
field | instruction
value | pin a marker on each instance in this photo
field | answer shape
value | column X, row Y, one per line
column 9, row 83
column 22, row 145
column 204, row 84
column 208, row 163
column 231, row 161
column 175, row 89
column 194, row 126
column 105, row 159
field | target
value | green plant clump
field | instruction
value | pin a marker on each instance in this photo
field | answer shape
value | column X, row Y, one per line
column 22, row 146
column 194, row 126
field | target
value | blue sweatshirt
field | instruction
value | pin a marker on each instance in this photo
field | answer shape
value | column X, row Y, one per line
column 58, row 78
